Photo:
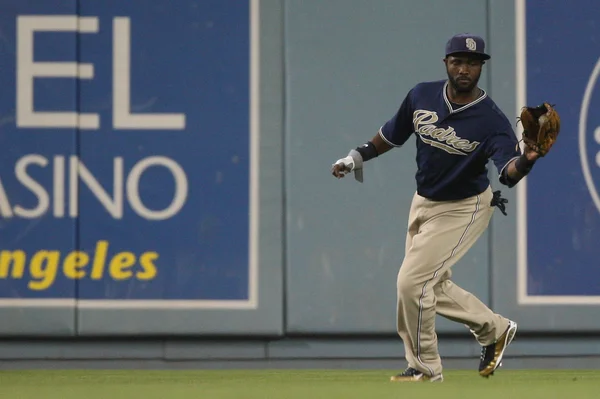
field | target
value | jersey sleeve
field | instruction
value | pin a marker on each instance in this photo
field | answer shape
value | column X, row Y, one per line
column 399, row 128
column 503, row 148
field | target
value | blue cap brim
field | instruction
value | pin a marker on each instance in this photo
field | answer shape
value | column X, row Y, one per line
column 483, row 56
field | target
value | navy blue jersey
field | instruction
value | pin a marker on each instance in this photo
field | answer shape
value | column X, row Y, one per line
column 454, row 144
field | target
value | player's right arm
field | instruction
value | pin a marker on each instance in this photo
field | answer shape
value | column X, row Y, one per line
column 380, row 146
column 392, row 134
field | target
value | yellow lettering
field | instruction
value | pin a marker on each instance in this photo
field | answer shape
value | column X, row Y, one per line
column 75, row 260
column 99, row 260
column 119, row 263
column 43, row 267
column 149, row 268
column 17, row 258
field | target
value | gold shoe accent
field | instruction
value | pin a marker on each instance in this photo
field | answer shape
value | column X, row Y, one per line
column 499, row 347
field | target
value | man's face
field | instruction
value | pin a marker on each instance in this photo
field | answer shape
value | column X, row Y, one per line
column 463, row 72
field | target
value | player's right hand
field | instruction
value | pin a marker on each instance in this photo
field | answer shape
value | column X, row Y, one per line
column 342, row 166
column 339, row 170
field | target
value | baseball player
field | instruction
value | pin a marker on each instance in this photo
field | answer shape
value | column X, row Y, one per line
column 458, row 129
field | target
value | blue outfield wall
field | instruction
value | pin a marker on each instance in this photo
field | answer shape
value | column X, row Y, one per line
column 166, row 166
column 544, row 259
column 112, row 166
column 561, row 266
column 131, row 180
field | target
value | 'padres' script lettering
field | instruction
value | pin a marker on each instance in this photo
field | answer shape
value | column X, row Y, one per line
column 445, row 139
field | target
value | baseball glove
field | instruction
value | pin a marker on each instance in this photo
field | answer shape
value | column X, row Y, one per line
column 541, row 126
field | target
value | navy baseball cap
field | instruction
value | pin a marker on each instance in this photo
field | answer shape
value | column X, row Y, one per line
column 467, row 43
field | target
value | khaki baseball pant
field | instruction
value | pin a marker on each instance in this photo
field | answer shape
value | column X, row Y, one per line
column 439, row 234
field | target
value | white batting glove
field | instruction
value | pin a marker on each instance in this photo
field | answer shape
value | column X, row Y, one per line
column 347, row 163
column 351, row 163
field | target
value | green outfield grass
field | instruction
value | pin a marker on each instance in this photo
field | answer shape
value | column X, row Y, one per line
column 292, row 384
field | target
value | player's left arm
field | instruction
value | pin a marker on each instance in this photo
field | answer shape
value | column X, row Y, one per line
column 519, row 167
column 512, row 165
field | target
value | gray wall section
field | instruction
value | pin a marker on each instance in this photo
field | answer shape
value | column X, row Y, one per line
column 268, row 318
column 40, row 321
column 172, row 351
column 349, row 65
